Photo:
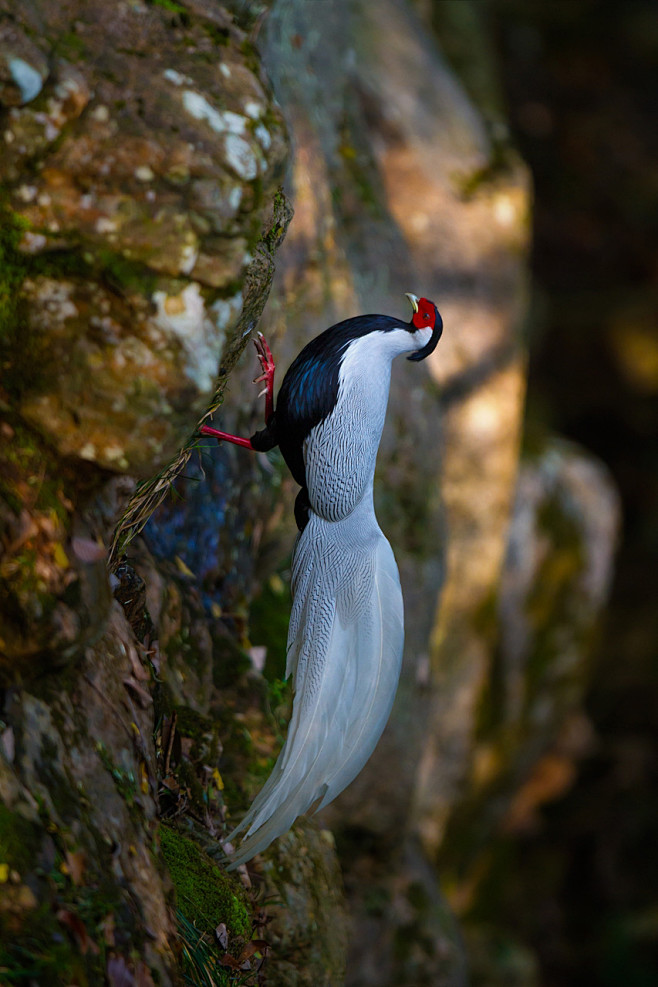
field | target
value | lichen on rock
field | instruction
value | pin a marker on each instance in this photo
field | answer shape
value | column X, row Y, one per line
column 137, row 223
column 128, row 263
column 136, row 247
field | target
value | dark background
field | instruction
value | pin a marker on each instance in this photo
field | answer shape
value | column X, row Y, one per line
column 581, row 83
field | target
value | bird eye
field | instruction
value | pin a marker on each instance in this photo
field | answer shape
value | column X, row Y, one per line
column 426, row 316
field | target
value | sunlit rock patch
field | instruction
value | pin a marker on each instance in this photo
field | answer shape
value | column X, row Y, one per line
column 152, row 151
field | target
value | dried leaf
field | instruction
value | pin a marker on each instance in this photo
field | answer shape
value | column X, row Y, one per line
column 107, row 929
column 75, row 924
column 230, row 961
column 140, row 673
column 182, row 567
column 143, row 976
column 222, row 935
column 253, row 946
column 258, row 655
column 23, row 531
column 7, row 744
column 76, row 864
column 143, row 697
column 60, row 556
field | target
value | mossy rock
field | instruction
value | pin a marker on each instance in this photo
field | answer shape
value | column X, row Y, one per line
column 12, row 269
column 20, row 840
column 205, row 895
column 269, row 616
column 309, row 928
column 44, row 915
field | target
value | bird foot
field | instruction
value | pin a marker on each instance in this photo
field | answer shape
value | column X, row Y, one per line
column 267, row 376
column 267, row 366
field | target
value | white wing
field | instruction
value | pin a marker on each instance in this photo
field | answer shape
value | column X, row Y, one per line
column 344, row 651
column 346, row 627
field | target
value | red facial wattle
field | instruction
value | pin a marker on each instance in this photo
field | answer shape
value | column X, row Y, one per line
column 424, row 318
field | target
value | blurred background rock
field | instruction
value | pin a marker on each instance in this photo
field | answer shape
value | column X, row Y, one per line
column 581, row 82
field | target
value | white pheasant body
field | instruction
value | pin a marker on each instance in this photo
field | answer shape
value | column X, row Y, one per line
column 346, row 633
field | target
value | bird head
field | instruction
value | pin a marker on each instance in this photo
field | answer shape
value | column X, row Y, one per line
column 426, row 325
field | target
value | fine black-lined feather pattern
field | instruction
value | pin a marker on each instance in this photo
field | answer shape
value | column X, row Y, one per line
column 346, row 633
column 345, row 665
column 309, row 391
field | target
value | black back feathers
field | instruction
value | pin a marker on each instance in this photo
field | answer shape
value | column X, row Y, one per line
column 309, row 391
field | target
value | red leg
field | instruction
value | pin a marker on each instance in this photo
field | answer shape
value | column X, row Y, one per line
column 225, row 436
column 268, row 368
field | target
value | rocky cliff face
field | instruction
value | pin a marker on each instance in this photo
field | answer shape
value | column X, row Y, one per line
column 142, row 153
column 141, row 212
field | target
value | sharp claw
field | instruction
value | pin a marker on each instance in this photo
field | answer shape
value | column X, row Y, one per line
column 268, row 370
column 263, row 348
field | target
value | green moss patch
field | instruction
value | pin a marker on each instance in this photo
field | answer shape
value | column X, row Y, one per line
column 205, row 895
column 12, row 268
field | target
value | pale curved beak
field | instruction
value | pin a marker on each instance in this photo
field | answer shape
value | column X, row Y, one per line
column 413, row 299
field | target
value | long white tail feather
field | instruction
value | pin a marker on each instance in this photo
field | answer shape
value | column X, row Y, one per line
column 344, row 653
column 367, row 729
